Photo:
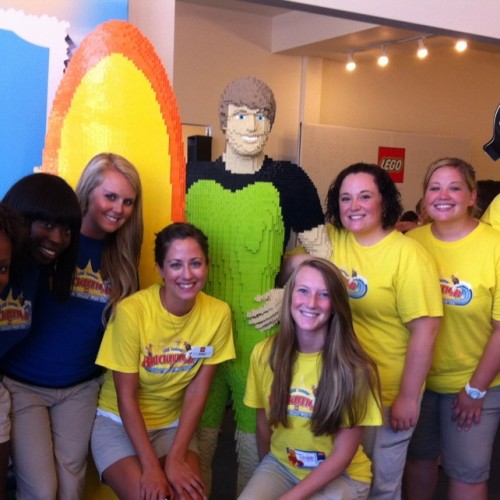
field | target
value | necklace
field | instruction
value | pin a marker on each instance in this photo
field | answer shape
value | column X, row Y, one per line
column 177, row 329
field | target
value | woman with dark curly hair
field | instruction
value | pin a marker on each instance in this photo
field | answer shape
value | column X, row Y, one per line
column 395, row 298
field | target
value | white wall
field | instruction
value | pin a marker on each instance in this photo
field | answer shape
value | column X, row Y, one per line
column 447, row 94
column 213, row 47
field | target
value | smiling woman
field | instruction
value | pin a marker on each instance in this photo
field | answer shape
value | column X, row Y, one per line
column 463, row 385
column 314, row 390
column 62, row 380
column 52, row 218
column 162, row 350
column 394, row 276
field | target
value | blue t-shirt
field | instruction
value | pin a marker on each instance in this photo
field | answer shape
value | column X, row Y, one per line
column 65, row 336
column 16, row 307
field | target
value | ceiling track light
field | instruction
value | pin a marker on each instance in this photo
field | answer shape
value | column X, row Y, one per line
column 383, row 59
column 422, row 51
column 350, row 65
column 461, row 45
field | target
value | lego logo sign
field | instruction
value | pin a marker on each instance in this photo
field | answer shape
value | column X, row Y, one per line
column 392, row 160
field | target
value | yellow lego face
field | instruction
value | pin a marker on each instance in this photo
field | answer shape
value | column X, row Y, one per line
column 247, row 130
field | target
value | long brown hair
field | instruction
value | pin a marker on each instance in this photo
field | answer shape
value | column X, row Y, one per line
column 348, row 375
column 122, row 249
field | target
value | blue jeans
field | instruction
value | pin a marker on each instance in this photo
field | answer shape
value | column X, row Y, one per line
column 272, row 479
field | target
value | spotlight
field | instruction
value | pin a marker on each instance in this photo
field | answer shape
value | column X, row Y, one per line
column 350, row 65
column 461, row 45
column 383, row 60
column 422, row 51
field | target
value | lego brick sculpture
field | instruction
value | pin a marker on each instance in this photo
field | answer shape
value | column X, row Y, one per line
column 247, row 204
column 115, row 96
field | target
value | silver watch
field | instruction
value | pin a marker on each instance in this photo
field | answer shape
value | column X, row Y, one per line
column 474, row 393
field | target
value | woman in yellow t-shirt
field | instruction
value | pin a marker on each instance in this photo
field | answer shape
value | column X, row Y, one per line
column 314, row 389
column 161, row 349
column 461, row 405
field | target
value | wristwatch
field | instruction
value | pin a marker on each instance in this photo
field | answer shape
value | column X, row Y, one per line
column 474, row 393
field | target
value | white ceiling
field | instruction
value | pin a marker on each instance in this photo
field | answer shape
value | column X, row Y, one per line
column 369, row 39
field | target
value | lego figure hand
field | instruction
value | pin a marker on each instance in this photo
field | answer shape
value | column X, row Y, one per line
column 267, row 315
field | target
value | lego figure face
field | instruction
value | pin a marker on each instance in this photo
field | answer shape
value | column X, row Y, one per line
column 247, row 130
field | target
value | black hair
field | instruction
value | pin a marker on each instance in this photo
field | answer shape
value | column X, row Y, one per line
column 391, row 198
column 50, row 198
column 12, row 225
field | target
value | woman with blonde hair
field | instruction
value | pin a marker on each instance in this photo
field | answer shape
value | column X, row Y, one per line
column 461, row 405
column 122, row 247
column 314, row 389
column 54, row 395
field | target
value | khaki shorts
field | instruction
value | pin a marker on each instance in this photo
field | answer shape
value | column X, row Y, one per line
column 465, row 455
column 4, row 414
column 110, row 442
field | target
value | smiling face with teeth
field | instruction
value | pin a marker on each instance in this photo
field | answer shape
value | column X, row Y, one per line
column 110, row 205
column 448, row 197
column 311, row 306
column 48, row 240
column 247, row 130
column 184, row 271
column 360, row 205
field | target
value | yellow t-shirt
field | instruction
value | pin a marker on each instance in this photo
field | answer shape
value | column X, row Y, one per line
column 295, row 446
column 165, row 350
column 469, row 271
column 390, row 284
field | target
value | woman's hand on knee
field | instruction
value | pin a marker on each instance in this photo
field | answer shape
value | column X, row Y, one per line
column 154, row 484
column 184, row 481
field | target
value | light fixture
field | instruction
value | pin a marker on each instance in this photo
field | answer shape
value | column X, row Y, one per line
column 461, row 45
column 422, row 51
column 383, row 60
column 350, row 65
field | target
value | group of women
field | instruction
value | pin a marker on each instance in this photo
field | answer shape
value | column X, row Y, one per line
column 75, row 276
column 425, row 309
column 338, row 391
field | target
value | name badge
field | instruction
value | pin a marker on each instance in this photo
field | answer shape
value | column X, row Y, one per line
column 201, row 352
column 305, row 459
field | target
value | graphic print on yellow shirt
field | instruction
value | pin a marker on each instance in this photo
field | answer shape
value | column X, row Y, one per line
column 357, row 286
column 456, row 292
column 301, row 404
column 180, row 357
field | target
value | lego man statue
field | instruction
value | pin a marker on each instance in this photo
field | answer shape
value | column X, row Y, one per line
column 247, row 204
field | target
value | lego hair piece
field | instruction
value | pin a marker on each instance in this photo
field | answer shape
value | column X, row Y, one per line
column 250, row 92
